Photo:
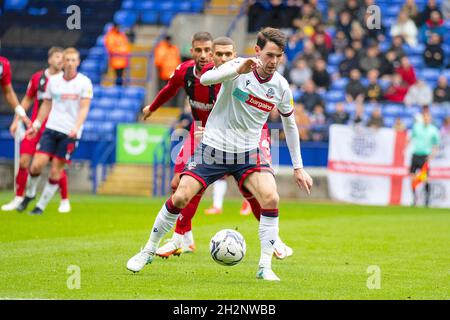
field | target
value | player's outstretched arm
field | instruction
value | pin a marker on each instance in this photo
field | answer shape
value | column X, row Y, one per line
column 12, row 100
column 44, row 110
column 26, row 103
column 301, row 177
column 229, row 71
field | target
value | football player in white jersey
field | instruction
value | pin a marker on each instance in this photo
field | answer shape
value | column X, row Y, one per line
column 250, row 89
column 67, row 99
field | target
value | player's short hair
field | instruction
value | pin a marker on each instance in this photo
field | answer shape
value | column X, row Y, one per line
column 223, row 41
column 71, row 50
column 53, row 50
column 202, row 36
column 271, row 34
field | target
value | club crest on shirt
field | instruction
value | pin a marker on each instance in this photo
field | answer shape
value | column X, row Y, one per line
column 191, row 165
column 270, row 93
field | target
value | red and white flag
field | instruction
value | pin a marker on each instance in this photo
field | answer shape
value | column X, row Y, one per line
column 371, row 166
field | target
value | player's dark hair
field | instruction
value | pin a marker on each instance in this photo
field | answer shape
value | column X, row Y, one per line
column 202, row 36
column 53, row 50
column 271, row 34
column 223, row 41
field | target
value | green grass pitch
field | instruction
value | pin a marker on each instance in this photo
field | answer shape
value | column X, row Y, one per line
column 334, row 245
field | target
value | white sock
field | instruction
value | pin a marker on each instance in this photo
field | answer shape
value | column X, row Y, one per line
column 47, row 194
column 32, row 184
column 164, row 222
column 188, row 237
column 268, row 234
column 219, row 190
column 177, row 238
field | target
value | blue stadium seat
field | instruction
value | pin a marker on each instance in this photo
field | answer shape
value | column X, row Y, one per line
column 149, row 17
column 393, row 110
column 429, row 74
column 335, row 58
column 167, row 6
column 183, row 6
column 339, row 84
column 113, row 92
column 197, row 5
column 335, row 96
column 89, row 66
column 148, row 5
column 107, row 103
column 97, row 114
column 97, row 92
column 120, row 115
column 125, row 18
column 417, row 50
column 129, row 5
column 137, row 93
column 389, row 121
column 100, row 40
column 128, row 104
column 15, row 5
column 416, row 61
column 165, row 18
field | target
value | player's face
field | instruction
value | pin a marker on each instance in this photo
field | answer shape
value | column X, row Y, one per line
column 201, row 52
column 71, row 62
column 56, row 61
column 222, row 54
column 270, row 56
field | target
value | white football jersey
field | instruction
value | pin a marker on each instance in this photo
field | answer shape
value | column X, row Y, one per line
column 66, row 96
column 242, row 108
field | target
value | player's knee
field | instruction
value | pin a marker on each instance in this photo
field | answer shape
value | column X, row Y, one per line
column 270, row 201
column 35, row 169
column 174, row 183
column 181, row 198
column 24, row 162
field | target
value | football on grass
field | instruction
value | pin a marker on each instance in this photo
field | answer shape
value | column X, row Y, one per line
column 227, row 247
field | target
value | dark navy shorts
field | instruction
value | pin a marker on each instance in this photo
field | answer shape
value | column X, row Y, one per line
column 57, row 145
column 208, row 165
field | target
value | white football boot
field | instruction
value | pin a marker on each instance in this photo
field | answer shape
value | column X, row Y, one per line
column 266, row 274
column 281, row 250
column 64, row 206
column 138, row 262
column 13, row 204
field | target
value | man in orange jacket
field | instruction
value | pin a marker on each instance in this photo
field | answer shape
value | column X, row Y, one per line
column 118, row 47
column 167, row 58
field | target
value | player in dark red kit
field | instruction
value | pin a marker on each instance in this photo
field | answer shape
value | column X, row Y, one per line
column 34, row 97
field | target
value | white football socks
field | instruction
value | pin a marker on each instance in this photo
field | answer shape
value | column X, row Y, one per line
column 32, row 184
column 268, row 234
column 47, row 194
column 164, row 222
column 219, row 191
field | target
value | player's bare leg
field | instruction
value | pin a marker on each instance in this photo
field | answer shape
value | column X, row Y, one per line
column 219, row 191
column 52, row 185
column 165, row 220
column 263, row 186
column 21, row 183
column 40, row 160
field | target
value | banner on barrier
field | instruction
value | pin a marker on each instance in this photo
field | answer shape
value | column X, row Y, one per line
column 371, row 166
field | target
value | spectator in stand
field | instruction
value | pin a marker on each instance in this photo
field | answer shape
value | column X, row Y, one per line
column 310, row 97
column 303, row 122
column 427, row 12
column 340, row 116
column 357, row 45
column 433, row 25
column 321, row 45
column 255, row 10
column 397, row 47
column 355, row 90
column 388, row 65
column 376, row 119
column 340, row 42
column 441, row 93
column 434, row 54
column 344, row 24
column 370, row 60
column 406, row 28
column 118, row 47
column 167, row 58
column 320, row 75
column 374, row 92
column 445, row 8
column 309, row 18
column 445, row 130
column 319, row 121
column 310, row 55
column 353, row 7
column 372, row 34
column 350, row 62
column 397, row 91
column 413, row 12
column 399, row 125
column 277, row 15
column 359, row 117
column 419, row 94
column 294, row 46
column 300, row 73
column 406, row 71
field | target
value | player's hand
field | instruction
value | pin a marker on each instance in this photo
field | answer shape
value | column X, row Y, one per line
column 250, row 64
column 198, row 134
column 73, row 133
column 303, row 179
column 31, row 132
column 147, row 113
column 27, row 122
column 13, row 127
